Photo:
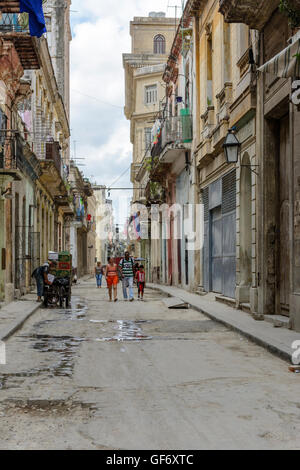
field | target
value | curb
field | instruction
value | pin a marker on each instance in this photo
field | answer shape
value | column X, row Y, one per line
column 281, row 353
column 16, row 324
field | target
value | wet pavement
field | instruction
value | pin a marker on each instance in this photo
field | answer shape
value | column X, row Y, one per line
column 122, row 375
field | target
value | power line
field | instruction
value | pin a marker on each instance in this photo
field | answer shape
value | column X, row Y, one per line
column 97, row 99
column 124, row 172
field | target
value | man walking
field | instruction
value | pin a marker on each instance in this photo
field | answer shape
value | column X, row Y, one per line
column 127, row 272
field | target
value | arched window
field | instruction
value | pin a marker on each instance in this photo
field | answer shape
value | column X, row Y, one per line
column 159, row 44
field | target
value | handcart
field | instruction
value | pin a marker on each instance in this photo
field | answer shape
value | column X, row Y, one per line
column 60, row 273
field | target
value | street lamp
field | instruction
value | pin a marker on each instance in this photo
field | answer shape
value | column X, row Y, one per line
column 231, row 147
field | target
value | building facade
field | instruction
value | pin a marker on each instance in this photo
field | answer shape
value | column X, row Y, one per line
column 152, row 38
column 37, row 204
column 277, row 119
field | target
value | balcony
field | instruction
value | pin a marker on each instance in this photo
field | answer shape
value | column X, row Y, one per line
column 176, row 134
column 10, row 6
column 16, row 159
column 177, row 130
column 254, row 13
column 14, row 27
column 53, row 154
column 52, row 174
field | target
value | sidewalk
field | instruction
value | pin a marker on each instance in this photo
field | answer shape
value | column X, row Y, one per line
column 14, row 315
column 277, row 340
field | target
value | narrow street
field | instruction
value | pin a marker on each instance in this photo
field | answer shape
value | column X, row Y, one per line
column 139, row 376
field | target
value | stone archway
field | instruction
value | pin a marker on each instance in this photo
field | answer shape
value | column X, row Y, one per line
column 245, row 230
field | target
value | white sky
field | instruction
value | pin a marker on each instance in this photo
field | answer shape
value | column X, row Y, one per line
column 100, row 30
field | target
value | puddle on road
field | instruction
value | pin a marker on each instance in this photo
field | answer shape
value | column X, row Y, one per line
column 77, row 310
column 65, row 347
column 126, row 331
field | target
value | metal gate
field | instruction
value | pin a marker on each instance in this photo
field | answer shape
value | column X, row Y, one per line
column 20, row 256
column 229, row 234
column 27, row 253
column 219, row 250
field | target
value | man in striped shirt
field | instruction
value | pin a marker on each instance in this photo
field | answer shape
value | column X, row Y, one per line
column 127, row 271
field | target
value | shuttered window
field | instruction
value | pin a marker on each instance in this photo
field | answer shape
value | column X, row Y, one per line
column 229, row 192
column 151, row 94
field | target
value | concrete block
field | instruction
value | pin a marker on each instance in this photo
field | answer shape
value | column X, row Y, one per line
column 9, row 293
column 242, row 294
column 175, row 302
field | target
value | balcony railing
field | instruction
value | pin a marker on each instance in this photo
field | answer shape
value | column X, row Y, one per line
column 13, row 22
column 177, row 129
column 12, row 156
column 53, row 153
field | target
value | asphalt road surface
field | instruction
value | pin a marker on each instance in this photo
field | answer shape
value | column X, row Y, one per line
column 136, row 375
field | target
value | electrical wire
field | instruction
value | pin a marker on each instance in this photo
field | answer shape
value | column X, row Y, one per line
column 97, row 99
column 118, row 179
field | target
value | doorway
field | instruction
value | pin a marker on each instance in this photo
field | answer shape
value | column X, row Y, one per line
column 283, row 272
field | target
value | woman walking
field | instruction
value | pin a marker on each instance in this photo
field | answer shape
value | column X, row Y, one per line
column 112, row 278
column 99, row 274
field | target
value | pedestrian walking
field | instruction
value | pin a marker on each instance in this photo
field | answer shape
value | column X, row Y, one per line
column 40, row 274
column 141, row 282
column 99, row 274
column 127, row 272
column 112, row 279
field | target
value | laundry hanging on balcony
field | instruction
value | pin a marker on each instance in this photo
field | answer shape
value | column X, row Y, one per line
column 286, row 63
column 37, row 25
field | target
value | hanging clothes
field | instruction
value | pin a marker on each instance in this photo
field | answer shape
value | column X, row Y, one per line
column 37, row 25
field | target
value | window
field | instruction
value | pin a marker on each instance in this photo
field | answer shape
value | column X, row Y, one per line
column 147, row 140
column 151, row 94
column 159, row 44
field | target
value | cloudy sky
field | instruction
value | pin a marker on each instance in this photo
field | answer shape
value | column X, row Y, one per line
column 100, row 30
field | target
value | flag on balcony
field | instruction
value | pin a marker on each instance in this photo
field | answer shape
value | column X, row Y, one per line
column 135, row 221
column 286, row 63
column 37, row 25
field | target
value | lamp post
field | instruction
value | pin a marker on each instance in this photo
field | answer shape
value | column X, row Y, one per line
column 231, row 147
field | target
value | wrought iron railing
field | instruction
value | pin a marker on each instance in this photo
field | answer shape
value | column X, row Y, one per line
column 177, row 129
column 14, row 22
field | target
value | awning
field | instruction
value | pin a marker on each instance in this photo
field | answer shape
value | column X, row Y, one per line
column 286, row 63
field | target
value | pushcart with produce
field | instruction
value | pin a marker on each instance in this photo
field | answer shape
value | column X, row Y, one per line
column 58, row 289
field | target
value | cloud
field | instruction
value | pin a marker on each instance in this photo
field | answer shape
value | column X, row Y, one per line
column 100, row 32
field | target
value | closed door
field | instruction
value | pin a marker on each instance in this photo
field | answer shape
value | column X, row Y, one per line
column 283, row 272
column 216, row 251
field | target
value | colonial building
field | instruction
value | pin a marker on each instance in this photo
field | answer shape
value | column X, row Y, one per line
column 36, row 206
column 152, row 38
column 276, row 57
column 81, row 190
column 172, row 174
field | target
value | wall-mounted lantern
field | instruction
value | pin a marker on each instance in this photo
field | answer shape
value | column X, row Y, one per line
column 231, row 147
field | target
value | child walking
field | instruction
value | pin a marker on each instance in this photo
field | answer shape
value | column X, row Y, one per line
column 140, row 277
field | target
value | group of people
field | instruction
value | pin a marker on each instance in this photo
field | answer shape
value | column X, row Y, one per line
column 126, row 271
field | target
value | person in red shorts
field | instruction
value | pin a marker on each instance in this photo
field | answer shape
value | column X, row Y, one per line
column 140, row 277
column 112, row 278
